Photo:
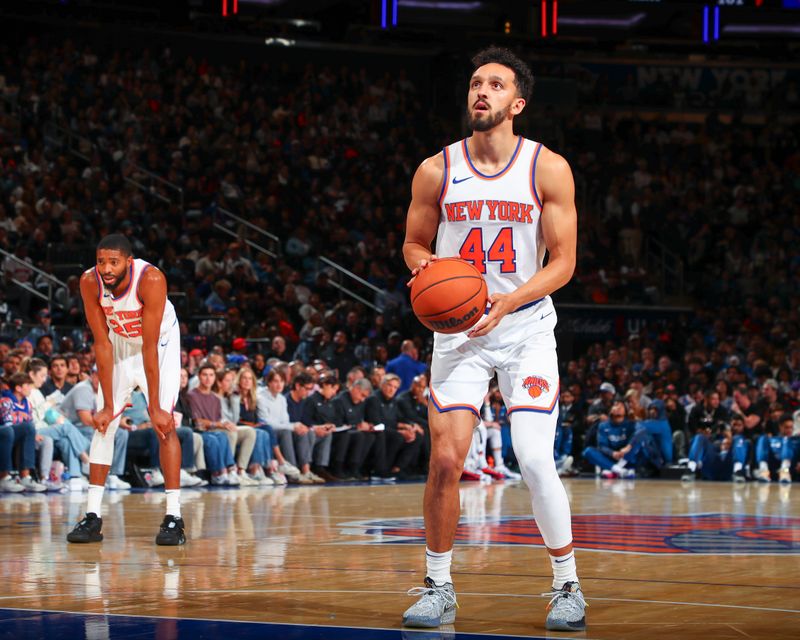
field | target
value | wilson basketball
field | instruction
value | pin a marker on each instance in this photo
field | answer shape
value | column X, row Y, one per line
column 449, row 296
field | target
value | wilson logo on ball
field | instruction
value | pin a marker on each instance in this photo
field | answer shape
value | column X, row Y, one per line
column 535, row 386
column 454, row 322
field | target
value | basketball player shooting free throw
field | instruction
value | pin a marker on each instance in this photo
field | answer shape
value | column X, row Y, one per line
column 498, row 201
column 137, row 343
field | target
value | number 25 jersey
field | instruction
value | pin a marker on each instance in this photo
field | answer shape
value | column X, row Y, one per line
column 493, row 221
column 124, row 312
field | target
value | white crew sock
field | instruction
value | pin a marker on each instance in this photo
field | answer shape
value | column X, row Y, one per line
column 564, row 569
column 737, row 466
column 692, row 466
column 438, row 566
column 786, row 464
column 173, row 502
column 763, row 466
column 95, row 499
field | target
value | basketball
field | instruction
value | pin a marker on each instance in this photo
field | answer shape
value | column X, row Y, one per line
column 449, row 296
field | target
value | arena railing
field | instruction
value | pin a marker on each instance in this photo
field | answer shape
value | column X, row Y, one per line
column 68, row 140
column 224, row 220
column 53, row 283
column 340, row 278
column 343, row 279
column 152, row 184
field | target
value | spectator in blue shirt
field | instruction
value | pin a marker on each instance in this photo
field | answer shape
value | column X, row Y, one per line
column 406, row 365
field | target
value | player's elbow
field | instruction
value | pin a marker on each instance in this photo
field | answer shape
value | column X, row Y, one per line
column 566, row 268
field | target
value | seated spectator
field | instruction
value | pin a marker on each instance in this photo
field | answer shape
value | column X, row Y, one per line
column 779, row 454
column 78, row 408
column 676, row 416
column 719, row 455
column 239, row 407
column 57, row 386
column 339, row 355
column 11, row 363
column 320, row 419
column 397, row 446
column 145, row 439
column 16, row 423
column 412, row 409
column 296, row 440
column 75, row 370
column 206, row 410
column 621, row 448
column 658, row 427
column 708, row 414
column 242, row 437
column 351, row 439
column 69, row 442
column 599, row 409
column 407, row 365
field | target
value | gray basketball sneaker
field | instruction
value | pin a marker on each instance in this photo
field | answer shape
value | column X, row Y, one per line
column 436, row 605
column 567, row 609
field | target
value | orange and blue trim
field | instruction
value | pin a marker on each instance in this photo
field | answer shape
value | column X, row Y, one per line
column 539, row 409
column 534, row 160
column 444, row 408
column 138, row 297
column 100, row 285
column 483, row 176
column 446, row 175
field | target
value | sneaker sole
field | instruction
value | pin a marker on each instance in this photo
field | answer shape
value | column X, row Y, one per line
column 170, row 543
column 448, row 617
column 98, row 537
column 560, row 625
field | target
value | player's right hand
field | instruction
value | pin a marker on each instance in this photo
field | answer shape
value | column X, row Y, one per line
column 102, row 418
column 422, row 265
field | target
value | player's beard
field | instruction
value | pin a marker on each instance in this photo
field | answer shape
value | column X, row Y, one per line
column 488, row 121
column 114, row 283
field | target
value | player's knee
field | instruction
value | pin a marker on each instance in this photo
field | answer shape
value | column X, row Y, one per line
column 445, row 466
column 537, row 464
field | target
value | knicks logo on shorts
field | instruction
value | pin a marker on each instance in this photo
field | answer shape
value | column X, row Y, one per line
column 536, row 386
column 708, row 534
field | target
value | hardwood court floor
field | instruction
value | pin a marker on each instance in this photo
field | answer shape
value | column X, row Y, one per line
column 655, row 558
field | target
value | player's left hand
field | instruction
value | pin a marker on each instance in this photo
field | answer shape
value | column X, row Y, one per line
column 162, row 422
column 501, row 304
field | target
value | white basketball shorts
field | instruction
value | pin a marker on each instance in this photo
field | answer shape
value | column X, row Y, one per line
column 129, row 370
column 521, row 349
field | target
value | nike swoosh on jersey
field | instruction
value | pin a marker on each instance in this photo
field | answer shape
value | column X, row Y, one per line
column 164, row 344
column 457, row 181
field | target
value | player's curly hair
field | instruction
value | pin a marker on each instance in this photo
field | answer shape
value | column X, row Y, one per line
column 523, row 76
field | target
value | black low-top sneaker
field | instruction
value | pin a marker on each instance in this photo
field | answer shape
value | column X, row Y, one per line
column 87, row 530
column 171, row 532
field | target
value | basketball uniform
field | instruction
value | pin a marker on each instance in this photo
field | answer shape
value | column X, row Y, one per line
column 494, row 222
column 124, row 318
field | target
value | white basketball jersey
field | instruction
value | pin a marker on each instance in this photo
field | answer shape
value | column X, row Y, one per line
column 493, row 221
column 124, row 312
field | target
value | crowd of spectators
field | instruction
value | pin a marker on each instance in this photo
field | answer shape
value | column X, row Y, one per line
column 323, row 158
